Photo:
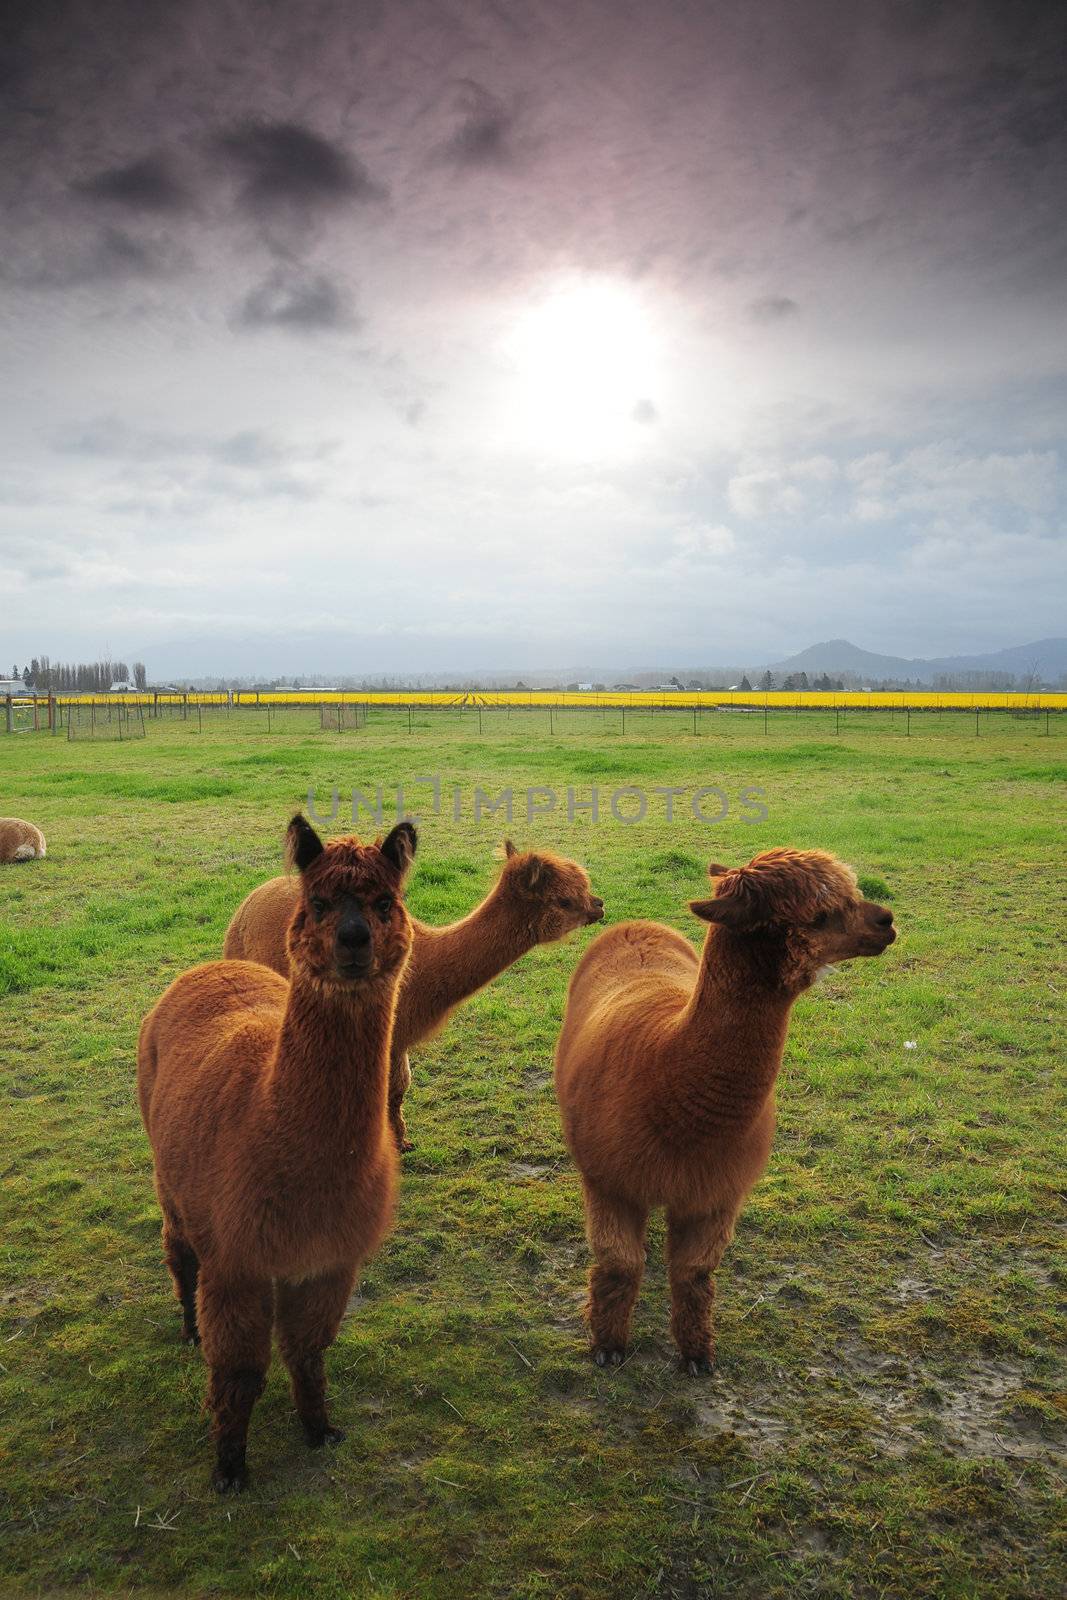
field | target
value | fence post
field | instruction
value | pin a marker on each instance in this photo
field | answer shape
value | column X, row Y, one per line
column 10, row 716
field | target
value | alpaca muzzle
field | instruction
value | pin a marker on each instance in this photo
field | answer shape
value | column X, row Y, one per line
column 354, row 952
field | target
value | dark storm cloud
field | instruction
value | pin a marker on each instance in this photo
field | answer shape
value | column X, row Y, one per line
column 772, row 308
column 284, row 163
column 145, row 185
column 483, row 127
column 301, row 303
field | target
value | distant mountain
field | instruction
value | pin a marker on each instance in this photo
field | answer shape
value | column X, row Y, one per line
column 1046, row 659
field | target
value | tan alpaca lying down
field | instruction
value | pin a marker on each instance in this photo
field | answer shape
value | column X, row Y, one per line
column 538, row 898
column 20, row 841
column 665, row 1074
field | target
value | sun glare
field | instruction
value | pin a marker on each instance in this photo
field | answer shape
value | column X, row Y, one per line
column 584, row 362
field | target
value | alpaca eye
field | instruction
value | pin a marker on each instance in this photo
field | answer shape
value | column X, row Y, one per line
column 566, row 905
column 320, row 907
column 383, row 905
column 821, row 920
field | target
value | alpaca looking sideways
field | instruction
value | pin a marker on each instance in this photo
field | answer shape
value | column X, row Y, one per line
column 537, row 899
column 20, row 841
column 666, row 1068
column 265, row 1105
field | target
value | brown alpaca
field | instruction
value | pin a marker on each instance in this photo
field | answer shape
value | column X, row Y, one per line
column 665, row 1074
column 538, row 898
column 265, row 1104
column 19, row 841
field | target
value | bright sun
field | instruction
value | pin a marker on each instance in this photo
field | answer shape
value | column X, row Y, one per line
column 584, row 361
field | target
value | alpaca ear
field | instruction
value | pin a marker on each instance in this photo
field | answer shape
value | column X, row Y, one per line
column 725, row 910
column 716, row 871
column 509, row 849
column 398, row 846
column 704, row 909
column 531, row 873
column 302, row 843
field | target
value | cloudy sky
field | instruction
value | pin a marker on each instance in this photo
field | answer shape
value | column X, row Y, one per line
column 486, row 334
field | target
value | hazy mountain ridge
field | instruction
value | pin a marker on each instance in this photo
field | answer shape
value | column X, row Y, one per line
column 1044, row 660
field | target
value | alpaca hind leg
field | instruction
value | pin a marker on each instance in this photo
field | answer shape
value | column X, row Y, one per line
column 399, row 1084
column 616, row 1232
column 235, row 1322
column 309, row 1314
column 695, row 1246
column 184, row 1267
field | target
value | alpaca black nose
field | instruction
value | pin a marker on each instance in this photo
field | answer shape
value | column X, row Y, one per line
column 884, row 918
column 354, row 934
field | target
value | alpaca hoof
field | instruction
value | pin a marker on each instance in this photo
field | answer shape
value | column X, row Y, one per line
column 229, row 1480
column 697, row 1366
column 608, row 1355
column 190, row 1335
column 404, row 1145
column 318, row 1437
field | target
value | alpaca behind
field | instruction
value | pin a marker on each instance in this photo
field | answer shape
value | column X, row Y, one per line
column 537, row 899
column 265, row 1104
column 666, row 1068
column 20, row 841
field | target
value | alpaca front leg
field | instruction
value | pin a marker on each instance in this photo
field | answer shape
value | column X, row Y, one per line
column 399, row 1084
column 235, row 1323
column 309, row 1314
column 616, row 1232
column 695, row 1246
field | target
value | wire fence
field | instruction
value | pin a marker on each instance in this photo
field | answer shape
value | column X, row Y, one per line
column 120, row 718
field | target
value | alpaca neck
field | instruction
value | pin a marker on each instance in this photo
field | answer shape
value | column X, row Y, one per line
column 449, row 964
column 327, row 1083
column 728, row 1048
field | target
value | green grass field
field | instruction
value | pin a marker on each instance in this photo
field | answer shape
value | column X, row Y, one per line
column 888, row 1416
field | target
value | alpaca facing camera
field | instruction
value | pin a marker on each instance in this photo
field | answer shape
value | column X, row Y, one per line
column 265, row 1103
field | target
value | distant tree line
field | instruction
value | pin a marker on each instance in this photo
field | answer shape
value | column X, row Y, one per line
column 88, row 676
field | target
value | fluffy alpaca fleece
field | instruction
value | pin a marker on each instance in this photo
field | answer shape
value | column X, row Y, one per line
column 20, row 841
column 666, row 1069
column 265, row 1105
column 538, row 898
